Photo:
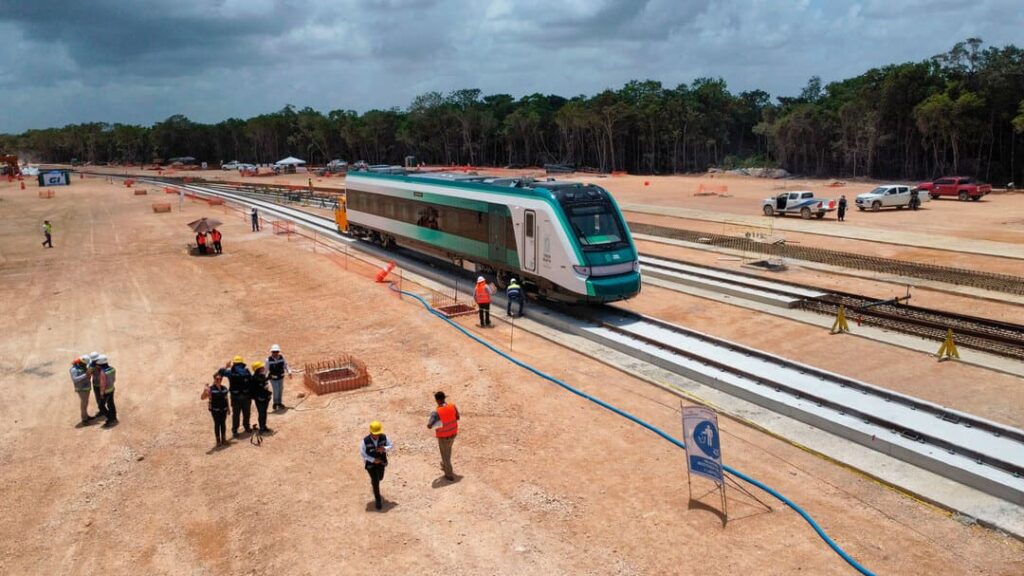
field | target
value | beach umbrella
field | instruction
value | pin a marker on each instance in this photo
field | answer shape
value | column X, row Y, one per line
column 204, row 225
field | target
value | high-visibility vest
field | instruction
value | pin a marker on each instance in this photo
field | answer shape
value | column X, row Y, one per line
column 449, row 424
column 201, row 239
column 482, row 294
column 216, row 235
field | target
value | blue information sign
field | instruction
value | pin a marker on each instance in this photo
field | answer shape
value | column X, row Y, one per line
column 703, row 448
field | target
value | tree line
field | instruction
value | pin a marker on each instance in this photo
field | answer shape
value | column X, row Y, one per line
column 958, row 112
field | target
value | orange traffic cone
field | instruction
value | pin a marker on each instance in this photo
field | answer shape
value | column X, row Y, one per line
column 22, row 184
column 385, row 271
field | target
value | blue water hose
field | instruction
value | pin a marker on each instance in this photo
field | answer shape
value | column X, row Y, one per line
column 821, row 533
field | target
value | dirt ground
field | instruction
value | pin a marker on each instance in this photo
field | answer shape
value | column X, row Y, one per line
column 550, row 484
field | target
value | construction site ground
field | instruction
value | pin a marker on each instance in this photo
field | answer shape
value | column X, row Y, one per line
column 550, row 483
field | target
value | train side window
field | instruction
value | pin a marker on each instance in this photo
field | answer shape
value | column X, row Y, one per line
column 529, row 224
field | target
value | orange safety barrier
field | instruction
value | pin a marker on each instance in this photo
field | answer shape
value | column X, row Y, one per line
column 46, row 193
column 711, row 189
column 337, row 375
column 22, row 184
column 214, row 201
column 159, row 207
column 385, row 271
column 128, row 183
column 169, row 190
column 140, row 192
column 283, row 227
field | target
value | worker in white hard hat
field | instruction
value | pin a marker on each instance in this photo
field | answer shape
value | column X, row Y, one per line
column 106, row 376
column 515, row 295
column 80, row 379
column 277, row 367
column 482, row 296
column 94, row 377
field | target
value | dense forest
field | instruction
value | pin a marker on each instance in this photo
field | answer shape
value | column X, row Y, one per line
column 958, row 112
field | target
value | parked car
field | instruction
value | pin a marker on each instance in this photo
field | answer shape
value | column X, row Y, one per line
column 233, row 165
column 800, row 202
column 960, row 186
column 888, row 196
column 337, row 166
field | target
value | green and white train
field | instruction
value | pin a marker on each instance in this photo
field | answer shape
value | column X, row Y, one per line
column 565, row 241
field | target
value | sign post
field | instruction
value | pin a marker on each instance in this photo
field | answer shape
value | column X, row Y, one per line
column 703, row 448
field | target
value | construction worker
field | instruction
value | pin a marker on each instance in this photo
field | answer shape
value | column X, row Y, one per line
column 277, row 367
column 94, row 377
column 241, row 403
column 446, row 418
column 217, row 393
column 482, row 296
column 201, row 243
column 83, row 387
column 841, row 213
column 48, row 234
column 514, row 294
column 259, row 389
column 255, row 217
column 374, row 449
column 107, row 376
column 216, row 236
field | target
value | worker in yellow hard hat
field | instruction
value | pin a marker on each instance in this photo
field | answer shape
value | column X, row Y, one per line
column 259, row 389
column 238, row 376
column 374, row 450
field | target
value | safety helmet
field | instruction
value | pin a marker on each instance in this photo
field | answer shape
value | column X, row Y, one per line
column 93, row 356
column 237, row 360
column 275, row 348
column 480, row 279
column 257, row 365
column 101, row 359
column 84, row 358
column 376, row 427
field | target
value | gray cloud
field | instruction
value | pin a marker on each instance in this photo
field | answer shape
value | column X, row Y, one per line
column 67, row 61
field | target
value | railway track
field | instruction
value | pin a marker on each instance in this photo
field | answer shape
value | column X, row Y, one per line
column 983, row 334
column 971, row 450
column 947, row 274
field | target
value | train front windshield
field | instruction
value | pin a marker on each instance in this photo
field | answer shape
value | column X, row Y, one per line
column 596, row 225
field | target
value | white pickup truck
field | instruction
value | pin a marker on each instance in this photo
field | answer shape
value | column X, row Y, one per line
column 800, row 202
column 889, row 196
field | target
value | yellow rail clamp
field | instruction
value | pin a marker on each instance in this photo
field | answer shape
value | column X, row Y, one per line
column 948, row 349
column 840, row 324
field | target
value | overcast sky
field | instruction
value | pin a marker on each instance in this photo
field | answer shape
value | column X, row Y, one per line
column 140, row 61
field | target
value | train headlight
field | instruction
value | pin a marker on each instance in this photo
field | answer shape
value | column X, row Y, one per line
column 582, row 270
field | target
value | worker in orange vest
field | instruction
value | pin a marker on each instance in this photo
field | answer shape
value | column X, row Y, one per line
column 201, row 242
column 446, row 419
column 482, row 295
column 216, row 236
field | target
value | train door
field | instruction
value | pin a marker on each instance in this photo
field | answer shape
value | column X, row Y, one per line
column 529, row 241
column 496, row 233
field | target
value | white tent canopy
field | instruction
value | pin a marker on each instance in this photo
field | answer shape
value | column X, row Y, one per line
column 290, row 161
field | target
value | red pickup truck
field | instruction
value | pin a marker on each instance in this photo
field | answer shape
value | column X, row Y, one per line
column 959, row 186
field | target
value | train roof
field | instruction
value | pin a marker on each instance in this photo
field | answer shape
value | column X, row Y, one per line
column 562, row 190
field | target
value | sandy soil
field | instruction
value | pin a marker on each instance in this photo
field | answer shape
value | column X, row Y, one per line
column 551, row 484
column 997, row 217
